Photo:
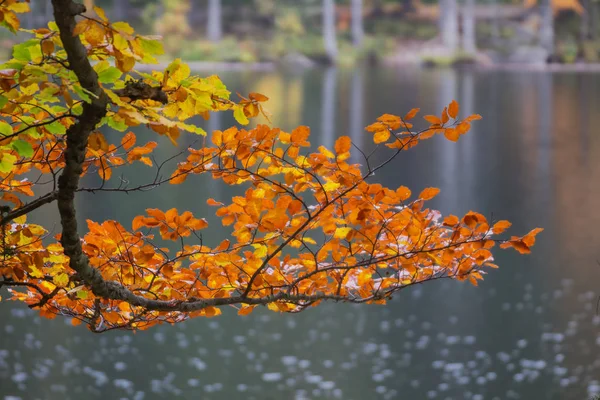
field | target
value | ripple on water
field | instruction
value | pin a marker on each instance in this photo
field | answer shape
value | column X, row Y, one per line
column 272, row 376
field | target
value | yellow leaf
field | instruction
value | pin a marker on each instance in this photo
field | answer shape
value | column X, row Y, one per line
column 61, row 280
column 331, row 186
column 240, row 117
column 81, row 27
column 341, row 233
column 364, row 277
column 20, row 7
column 123, row 27
column 323, row 150
column 100, row 13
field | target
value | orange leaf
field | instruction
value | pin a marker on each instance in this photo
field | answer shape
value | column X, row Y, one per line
column 47, row 47
column 342, row 144
column 451, row 220
column 217, row 138
column 521, row 247
column 432, row 119
column 258, row 97
column 453, row 109
column 128, row 141
column 403, row 193
column 429, row 193
column 223, row 246
column 463, row 128
column 470, row 220
column 245, row 310
column 411, row 114
column 97, row 141
column 213, row 202
column 451, row 134
column 299, row 135
column 473, row 117
column 501, row 226
column 381, row 136
column 445, row 117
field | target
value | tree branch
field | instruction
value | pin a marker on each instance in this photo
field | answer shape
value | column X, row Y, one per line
column 29, row 207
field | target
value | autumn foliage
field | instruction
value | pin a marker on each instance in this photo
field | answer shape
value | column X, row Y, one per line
column 310, row 226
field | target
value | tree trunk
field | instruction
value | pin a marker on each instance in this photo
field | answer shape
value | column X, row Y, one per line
column 546, row 34
column 594, row 20
column 357, row 23
column 495, row 24
column 329, row 37
column 448, row 24
column 468, row 39
column 214, row 30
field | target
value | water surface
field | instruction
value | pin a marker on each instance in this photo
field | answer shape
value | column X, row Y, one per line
column 529, row 331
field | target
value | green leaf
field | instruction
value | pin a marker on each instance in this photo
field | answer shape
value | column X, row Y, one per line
column 5, row 129
column 116, row 125
column 7, row 163
column 82, row 93
column 23, row 148
column 109, row 75
column 21, row 52
column 82, row 294
column 238, row 114
column 56, row 128
column 3, row 101
column 151, row 46
column 14, row 64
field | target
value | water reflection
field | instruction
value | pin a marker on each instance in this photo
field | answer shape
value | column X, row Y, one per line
column 357, row 126
column 328, row 117
column 528, row 332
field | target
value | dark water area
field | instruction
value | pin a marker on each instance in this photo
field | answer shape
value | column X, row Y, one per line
column 529, row 331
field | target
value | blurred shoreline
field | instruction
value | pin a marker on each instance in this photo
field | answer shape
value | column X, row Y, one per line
column 201, row 66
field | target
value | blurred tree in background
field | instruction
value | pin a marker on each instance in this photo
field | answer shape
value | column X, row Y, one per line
column 350, row 30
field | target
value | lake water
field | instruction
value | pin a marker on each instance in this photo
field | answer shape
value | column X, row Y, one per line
column 529, row 331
